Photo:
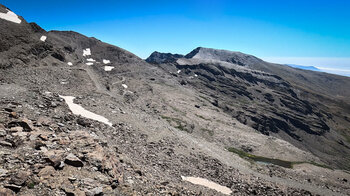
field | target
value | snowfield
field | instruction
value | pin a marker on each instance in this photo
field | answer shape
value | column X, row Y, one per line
column 10, row 16
column 70, row 63
column 89, row 63
column 43, row 38
column 208, row 183
column 125, row 86
column 91, row 60
column 109, row 68
column 106, row 61
column 78, row 110
column 87, row 52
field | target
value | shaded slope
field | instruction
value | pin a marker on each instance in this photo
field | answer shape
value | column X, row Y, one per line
column 270, row 102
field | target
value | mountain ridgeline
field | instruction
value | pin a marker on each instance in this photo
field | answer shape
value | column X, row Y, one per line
column 210, row 122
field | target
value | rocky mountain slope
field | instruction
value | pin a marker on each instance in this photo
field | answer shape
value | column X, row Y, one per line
column 210, row 115
column 244, row 87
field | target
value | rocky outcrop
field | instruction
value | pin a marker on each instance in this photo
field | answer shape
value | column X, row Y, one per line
column 51, row 167
column 158, row 58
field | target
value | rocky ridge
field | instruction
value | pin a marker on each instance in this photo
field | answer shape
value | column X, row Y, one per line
column 165, row 123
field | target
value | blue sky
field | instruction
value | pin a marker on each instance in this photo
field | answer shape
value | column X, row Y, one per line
column 271, row 29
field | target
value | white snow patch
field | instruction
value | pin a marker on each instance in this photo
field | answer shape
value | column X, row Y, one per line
column 178, row 71
column 125, row 86
column 208, row 183
column 70, row 63
column 43, row 38
column 78, row 110
column 10, row 16
column 87, row 52
column 106, row 61
column 195, row 75
column 91, row 60
column 109, row 68
column 89, row 63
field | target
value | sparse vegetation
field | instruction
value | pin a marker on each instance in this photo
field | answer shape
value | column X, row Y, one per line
column 205, row 98
column 177, row 123
column 202, row 117
column 347, row 137
column 177, row 110
column 31, row 185
column 210, row 132
column 279, row 162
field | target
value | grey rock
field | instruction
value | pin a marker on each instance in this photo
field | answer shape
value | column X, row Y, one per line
column 2, row 133
column 95, row 192
column 73, row 160
column 4, row 143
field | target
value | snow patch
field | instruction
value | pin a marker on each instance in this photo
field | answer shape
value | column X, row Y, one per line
column 78, row 110
column 125, row 86
column 106, row 61
column 43, row 38
column 87, row 52
column 109, row 68
column 208, row 183
column 89, row 63
column 70, row 63
column 195, row 75
column 178, row 71
column 91, row 60
column 10, row 16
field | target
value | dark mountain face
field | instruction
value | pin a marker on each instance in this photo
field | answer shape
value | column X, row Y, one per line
column 157, row 57
column 269, row 102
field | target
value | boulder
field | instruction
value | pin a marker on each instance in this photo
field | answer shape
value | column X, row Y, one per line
column 20, row 178
column 16, row 129
column 96, row 157
column 4, row 143
column 46, row 172
column 43, row 121
column 54, row 157
column 6, row 192
column 95, row 192
column 13, row 187
column 26, row 124
column 73, row 160
column 2, row 133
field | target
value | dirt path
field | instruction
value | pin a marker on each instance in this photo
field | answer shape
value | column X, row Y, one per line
column 121, row 81
column 94, row 78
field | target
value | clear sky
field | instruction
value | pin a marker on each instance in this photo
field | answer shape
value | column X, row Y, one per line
column 276, row 30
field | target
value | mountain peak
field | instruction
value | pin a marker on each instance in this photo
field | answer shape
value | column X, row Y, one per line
column 223, row 55
column 158, row 57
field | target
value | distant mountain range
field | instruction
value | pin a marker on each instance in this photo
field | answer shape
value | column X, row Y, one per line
column 312, row 68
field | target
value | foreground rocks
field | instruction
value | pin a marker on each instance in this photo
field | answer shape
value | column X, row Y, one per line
column 44, row 158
